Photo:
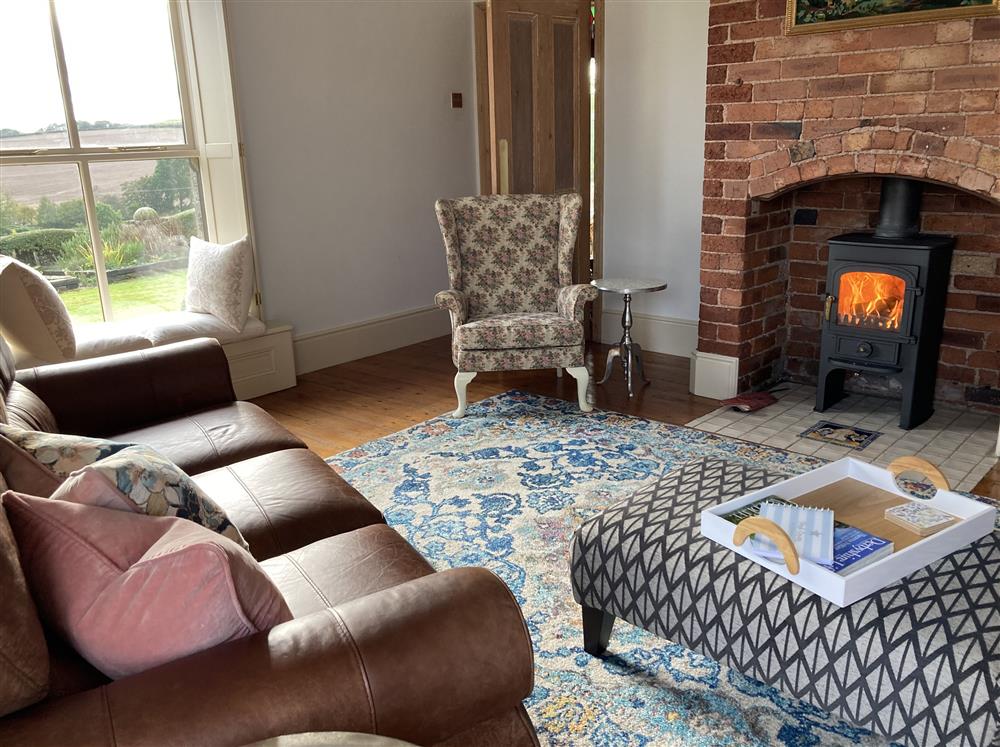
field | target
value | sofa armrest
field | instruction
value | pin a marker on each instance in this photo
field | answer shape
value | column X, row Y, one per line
column 421, row 661
column 573, row 298
column 115, row 393
column 457, row 305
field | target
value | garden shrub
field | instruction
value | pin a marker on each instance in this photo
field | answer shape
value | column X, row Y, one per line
column 42, row 247
column 184, row 223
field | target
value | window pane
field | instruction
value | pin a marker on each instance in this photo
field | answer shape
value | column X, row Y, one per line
column 147, row 211
column 122, row 76
column 43, row 224
column 31, row 109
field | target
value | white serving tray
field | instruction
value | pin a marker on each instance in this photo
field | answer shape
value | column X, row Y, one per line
column 976, row 520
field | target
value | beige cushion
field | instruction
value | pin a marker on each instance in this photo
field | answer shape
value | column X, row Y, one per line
column 174, row 326
column 220, row 280
column 33, row 318
column 141, row 333
column 24, row 657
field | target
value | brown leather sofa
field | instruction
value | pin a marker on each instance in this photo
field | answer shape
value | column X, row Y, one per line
column 380, row 642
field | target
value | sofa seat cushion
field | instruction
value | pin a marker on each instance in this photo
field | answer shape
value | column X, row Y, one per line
column 285, row 500
column 175, row 326
column 345, row 567
column 215, row 437
column 107, row 338
column 506, row 331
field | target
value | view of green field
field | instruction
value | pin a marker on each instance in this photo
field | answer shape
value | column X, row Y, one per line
column 141, row 296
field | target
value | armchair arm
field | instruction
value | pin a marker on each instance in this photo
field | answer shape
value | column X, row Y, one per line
column 457, row 305
column 421, row 661
column 115, row 393
column 572, row 299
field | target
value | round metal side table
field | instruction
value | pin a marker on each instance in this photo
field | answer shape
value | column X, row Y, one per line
column 627, row 350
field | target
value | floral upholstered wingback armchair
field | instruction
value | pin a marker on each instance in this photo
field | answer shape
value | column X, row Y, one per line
column 512, row 300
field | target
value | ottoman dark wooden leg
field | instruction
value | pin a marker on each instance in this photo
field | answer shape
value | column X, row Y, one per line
column 597, row 626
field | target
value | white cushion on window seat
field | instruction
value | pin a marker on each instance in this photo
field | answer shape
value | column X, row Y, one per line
column 107, row 338
column 174, row 326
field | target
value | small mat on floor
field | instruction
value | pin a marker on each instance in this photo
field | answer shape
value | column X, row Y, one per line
column 841, row 435
column 505, row 488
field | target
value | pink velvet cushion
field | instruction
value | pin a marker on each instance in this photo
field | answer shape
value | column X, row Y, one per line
column 130, row 591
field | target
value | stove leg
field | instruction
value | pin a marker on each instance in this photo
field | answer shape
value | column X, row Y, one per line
column 918, row 401
column 829, row 387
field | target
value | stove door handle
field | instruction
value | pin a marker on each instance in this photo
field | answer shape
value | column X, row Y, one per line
column 829, row 306
column 870, row 365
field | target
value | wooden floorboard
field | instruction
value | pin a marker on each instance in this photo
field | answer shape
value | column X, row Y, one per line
column 343, row 406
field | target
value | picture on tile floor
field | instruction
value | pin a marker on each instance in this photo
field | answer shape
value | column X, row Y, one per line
column 842, row 435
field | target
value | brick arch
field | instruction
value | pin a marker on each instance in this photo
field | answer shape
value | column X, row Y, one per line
column 960, row 162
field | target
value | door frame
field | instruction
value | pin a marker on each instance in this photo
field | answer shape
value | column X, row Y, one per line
column 485, row 140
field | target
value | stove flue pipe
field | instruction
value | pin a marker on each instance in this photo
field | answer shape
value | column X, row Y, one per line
column 899, row 208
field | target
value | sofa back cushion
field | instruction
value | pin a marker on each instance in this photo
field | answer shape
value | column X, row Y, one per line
column 24, row 658
column 130, row 591
column 509, row 253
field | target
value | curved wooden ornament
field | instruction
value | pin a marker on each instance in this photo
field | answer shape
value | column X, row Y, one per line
column 902, row 464
column 777, row 535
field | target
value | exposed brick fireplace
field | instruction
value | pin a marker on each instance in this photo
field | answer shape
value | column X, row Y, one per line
column 799, row 133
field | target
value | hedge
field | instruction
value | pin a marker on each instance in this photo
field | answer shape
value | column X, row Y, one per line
column 184, row 223
column 39, row 248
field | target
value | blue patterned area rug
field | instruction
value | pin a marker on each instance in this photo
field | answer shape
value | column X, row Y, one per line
column 505, row 488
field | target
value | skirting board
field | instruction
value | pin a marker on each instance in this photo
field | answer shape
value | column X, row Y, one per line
column 349, row 342
column 714, row 376
column 658, row 334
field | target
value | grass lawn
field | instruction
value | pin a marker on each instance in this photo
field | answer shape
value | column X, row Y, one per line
column 141, row 296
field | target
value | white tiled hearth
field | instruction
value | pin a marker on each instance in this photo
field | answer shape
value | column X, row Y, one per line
column 959, row 441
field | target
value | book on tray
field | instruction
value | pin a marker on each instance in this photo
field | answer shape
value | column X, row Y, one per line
column 852, row 549
column 810, row 529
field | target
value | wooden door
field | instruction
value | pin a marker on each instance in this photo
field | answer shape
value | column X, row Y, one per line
column 538, row 59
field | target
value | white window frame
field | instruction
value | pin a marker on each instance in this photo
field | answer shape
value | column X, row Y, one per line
column 211, row 133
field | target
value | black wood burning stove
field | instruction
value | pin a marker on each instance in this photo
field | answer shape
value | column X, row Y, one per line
column 885, row 303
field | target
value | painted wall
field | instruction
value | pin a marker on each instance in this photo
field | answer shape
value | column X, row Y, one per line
column 656, row 57
column 350, row 137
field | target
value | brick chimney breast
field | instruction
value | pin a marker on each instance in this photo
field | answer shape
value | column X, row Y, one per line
column 800, row 131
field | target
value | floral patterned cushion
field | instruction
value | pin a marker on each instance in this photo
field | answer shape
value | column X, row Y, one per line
column 140, row 480
column 518, row 359
column 503, row 331
column 60, row 453
column 38, row 324
column 509, row 253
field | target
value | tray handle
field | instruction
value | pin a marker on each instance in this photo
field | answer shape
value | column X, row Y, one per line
column 903, row 464
column 777, row 535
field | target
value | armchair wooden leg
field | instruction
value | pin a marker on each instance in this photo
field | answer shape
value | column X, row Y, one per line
column 582, row 376
column 462, row 379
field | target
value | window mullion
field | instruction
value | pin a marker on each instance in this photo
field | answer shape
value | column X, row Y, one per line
column 89, row 203
column 90, row 206
column 57, row 46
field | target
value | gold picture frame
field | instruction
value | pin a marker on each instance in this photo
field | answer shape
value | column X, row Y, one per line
column 792, row 26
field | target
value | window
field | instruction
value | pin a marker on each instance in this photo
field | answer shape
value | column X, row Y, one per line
column 100, row 178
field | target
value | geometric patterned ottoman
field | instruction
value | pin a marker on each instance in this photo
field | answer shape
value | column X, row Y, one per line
column 918, row 662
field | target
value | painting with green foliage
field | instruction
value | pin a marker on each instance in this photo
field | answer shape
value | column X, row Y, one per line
column 859, row 13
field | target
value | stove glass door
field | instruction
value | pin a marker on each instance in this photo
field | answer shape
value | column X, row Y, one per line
column 871, row 300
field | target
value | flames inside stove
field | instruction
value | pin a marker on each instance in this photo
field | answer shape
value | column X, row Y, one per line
column 872, row 300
